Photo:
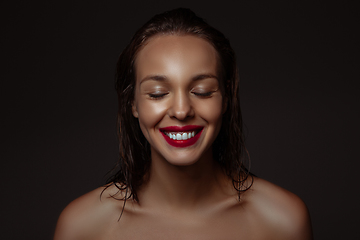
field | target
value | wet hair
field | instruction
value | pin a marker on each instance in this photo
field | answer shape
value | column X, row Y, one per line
column 228, row 148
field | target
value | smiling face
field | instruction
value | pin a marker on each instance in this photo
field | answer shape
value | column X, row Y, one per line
column 178, row 101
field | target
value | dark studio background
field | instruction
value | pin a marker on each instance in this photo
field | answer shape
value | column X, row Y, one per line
column 299, row 64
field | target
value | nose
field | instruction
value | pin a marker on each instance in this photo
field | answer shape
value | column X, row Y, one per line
column 181, row 107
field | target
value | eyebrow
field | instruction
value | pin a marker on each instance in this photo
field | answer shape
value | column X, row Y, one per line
column 162, row 78
column 204, row 76
column 159, row 78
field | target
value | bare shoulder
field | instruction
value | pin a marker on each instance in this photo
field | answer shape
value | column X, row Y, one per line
column 87, row 216
column 281, row 212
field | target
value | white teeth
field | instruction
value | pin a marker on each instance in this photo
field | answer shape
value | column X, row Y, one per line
column 184, row 136
column 178, row 136
column 181, row 136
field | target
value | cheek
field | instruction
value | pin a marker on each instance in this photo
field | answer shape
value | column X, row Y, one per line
column 211, row 111
column 150, row 114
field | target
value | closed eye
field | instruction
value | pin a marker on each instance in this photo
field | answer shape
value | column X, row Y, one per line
column 157, row 96
column 206, row 94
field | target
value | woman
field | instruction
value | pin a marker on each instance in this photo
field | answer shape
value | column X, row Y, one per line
column 181, row 173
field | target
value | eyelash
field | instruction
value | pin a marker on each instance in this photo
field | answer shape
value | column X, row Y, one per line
column 159, row 96
column 207, row 94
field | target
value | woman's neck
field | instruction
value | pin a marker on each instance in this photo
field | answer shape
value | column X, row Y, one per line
column 184, row 187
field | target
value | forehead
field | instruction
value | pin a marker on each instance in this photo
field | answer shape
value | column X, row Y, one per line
column 164, row 53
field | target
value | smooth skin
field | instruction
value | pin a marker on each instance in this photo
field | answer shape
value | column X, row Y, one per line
column 186, row 196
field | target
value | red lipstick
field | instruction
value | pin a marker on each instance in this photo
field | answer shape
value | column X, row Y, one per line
column 174, row 135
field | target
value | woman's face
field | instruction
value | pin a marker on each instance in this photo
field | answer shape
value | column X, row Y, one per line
column 178, row 101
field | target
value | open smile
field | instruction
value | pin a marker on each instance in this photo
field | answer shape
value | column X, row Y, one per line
column 182, row 136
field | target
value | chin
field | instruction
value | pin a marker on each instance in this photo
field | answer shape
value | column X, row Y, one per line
column 187, row 157
column 182, row 162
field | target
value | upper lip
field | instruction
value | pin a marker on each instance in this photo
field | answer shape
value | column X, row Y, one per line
column 181, row 128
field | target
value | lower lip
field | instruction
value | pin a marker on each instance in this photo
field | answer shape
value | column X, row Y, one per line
column 182, row 143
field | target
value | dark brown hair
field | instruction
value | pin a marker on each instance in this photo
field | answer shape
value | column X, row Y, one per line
column 228, row 148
